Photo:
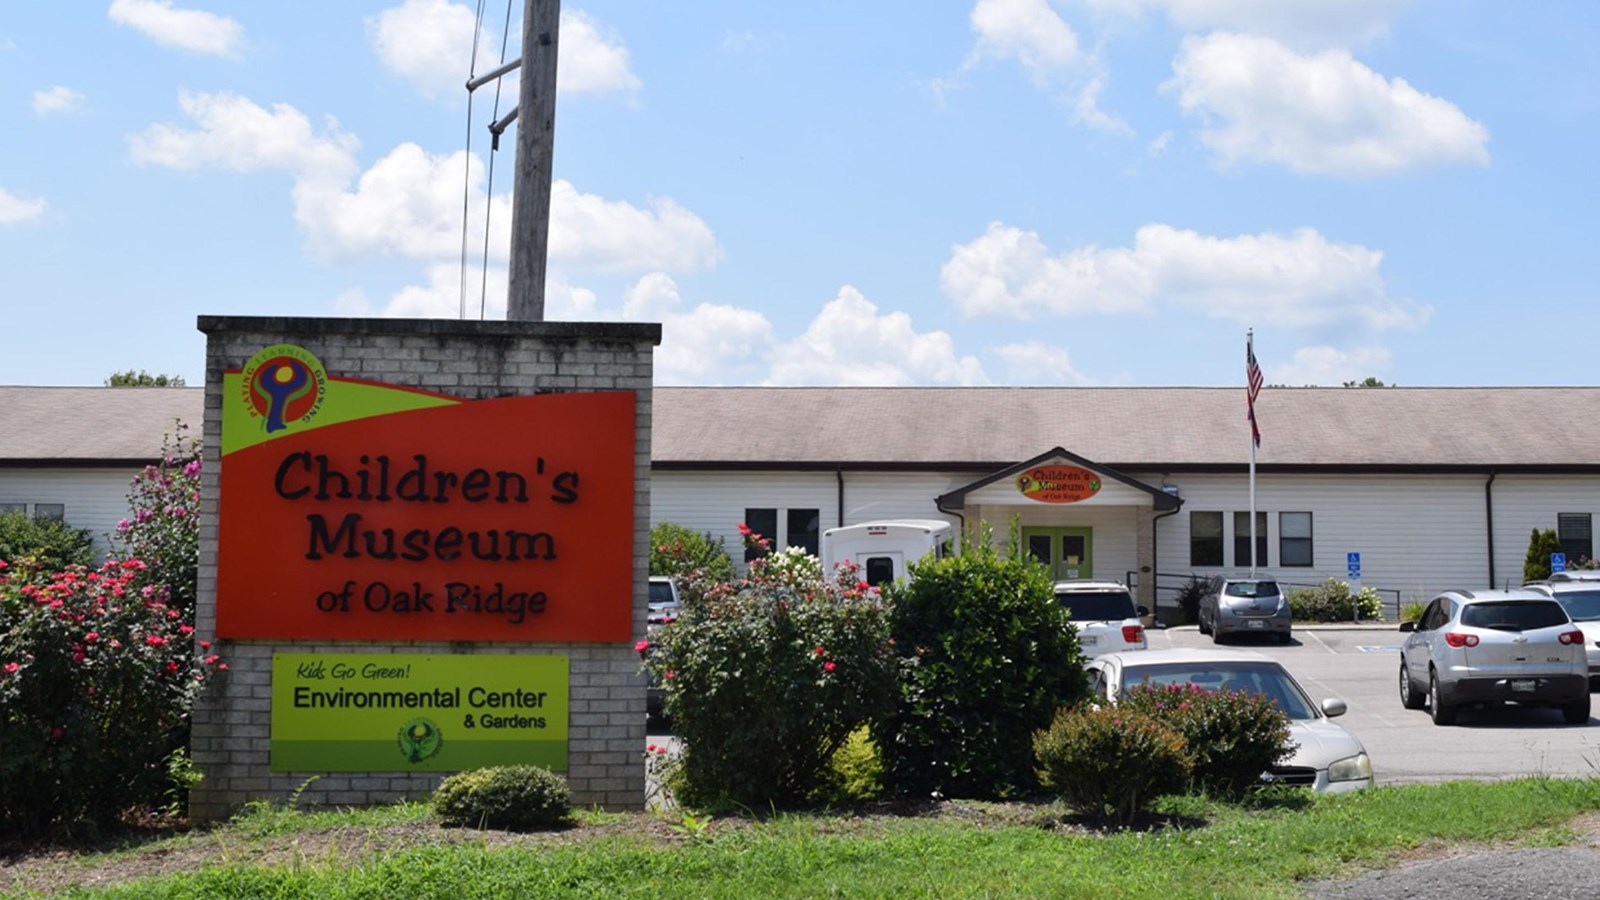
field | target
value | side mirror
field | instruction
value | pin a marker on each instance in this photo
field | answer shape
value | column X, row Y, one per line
column 1143, row 611
column 1408, row 626
column 1333, row 706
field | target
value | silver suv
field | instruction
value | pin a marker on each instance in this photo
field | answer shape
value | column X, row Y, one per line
column 1581, row 599
column 1478, row 648
column 1104, row 615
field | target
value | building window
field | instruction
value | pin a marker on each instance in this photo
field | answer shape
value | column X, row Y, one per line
column 805, row 530
column 55, row 512
column 1577, row 538
column 763, row 522
column 1205, row 539
column 1241, row 539
column 1294, row 539
column 9, row 506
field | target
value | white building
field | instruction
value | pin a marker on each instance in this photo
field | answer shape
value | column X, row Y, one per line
column 1433, row 487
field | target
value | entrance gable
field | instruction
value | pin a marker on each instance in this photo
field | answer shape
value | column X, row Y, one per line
column 1060, row 479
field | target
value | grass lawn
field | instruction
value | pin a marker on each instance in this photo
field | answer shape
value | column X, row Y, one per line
column 1193, row 848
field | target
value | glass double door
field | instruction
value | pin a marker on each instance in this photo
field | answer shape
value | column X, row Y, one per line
column 1067, row 552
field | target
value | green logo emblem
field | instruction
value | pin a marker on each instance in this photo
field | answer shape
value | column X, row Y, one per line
column 420, row 739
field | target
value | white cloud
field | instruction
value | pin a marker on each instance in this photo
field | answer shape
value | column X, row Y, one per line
column 184, row 29
column 1329, row 366
column 1036, row 363
column 1325, row 113
column 1028, row 31
column 56, row 99
column 1087, row 110
column 14, row 209
column 591, row 61
column 1305, row 22
column 705, row 345
column 1300, row 280
column 590, row 231
column 236, row 134
column 850, row 343
column 409, row 203
column 429, row 43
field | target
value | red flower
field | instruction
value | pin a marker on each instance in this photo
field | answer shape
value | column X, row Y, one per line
column 57, row 732
column 641, row 646
column 830, row 665
column 154, row 640
column 670, row 674
column 186, row 629
column 212, row 659
column 222, row 667
column 862, row 585
column 92, row 636
column 820, row 652
column 172, row 666
column 12, row 667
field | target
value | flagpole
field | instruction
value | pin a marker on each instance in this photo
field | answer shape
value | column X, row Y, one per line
column 1249, row 350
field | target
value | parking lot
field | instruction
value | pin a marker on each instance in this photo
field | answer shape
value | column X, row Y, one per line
column 1361, row 665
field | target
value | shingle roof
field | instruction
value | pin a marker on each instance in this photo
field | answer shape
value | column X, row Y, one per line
column 44, row 425
column 1552, row 428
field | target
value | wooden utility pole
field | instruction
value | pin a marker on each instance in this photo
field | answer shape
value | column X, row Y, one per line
column 530, row 196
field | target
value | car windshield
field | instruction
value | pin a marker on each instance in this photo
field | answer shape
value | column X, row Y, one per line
column 1098, row 606
column 1252, row 589
column 1265, row 678
column 1514, row 615
column 1582, row 606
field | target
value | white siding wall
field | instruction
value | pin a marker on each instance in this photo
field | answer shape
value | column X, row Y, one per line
column 1416, row 534
column 94, row 498
column 1525, row 502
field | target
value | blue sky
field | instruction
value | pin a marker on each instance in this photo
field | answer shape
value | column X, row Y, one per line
column 1028, row 192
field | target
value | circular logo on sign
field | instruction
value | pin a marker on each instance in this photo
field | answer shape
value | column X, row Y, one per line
column 284, row 385
column 420, row 739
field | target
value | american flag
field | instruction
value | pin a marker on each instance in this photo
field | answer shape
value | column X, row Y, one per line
column 1253, row 380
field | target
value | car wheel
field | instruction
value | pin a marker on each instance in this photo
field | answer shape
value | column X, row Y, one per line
column 1442, row 714
column 1204, row 628
column 1410, row 697
column 1577, row 712
column 1286, row 639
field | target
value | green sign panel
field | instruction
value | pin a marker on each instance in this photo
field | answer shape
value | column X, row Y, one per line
column 371, row 712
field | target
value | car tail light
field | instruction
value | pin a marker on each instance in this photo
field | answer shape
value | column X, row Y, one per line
column 1134, row 634
column 1457, row 639
column 1572, row 637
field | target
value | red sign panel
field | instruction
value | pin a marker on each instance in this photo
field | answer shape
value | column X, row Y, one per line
column 1058, row 484
column 492, row 520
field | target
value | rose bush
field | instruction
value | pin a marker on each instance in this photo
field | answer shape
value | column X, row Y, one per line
column 163, row 526
column 97, row 676
column 766, row 678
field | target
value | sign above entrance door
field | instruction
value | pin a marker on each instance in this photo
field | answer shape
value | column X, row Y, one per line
column 1058, row 484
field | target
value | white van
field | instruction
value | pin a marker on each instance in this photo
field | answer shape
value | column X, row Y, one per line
column 883, row 549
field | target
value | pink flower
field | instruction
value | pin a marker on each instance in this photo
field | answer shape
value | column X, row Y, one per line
column 222, row 667
column 186, row 629
column 57, row 732
column 641, row 646
column 92, row 636
column 830, row 665
column 650, row 748
column 154, row 640
column 205, row 645
column 12, row 667
column 862, row 585
column 212, row 659
column 670, row 674
column 172, row 666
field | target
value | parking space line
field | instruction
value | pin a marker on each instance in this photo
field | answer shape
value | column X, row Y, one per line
column 1322, row 642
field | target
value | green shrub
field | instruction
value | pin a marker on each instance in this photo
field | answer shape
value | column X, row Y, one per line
column 97, row 677
column 1411, row 612
column 1111, row 762
column 1536, row 565
column 1331, row 601
column 854, row 774
column 679, row 551
column 1233, row 736
column 47, row 544
column 1193, row 591
column 767, row 677
column 987, row 657
column 509, row 798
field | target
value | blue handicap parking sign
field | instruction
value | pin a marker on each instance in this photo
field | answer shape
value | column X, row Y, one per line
column 1558, row 562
